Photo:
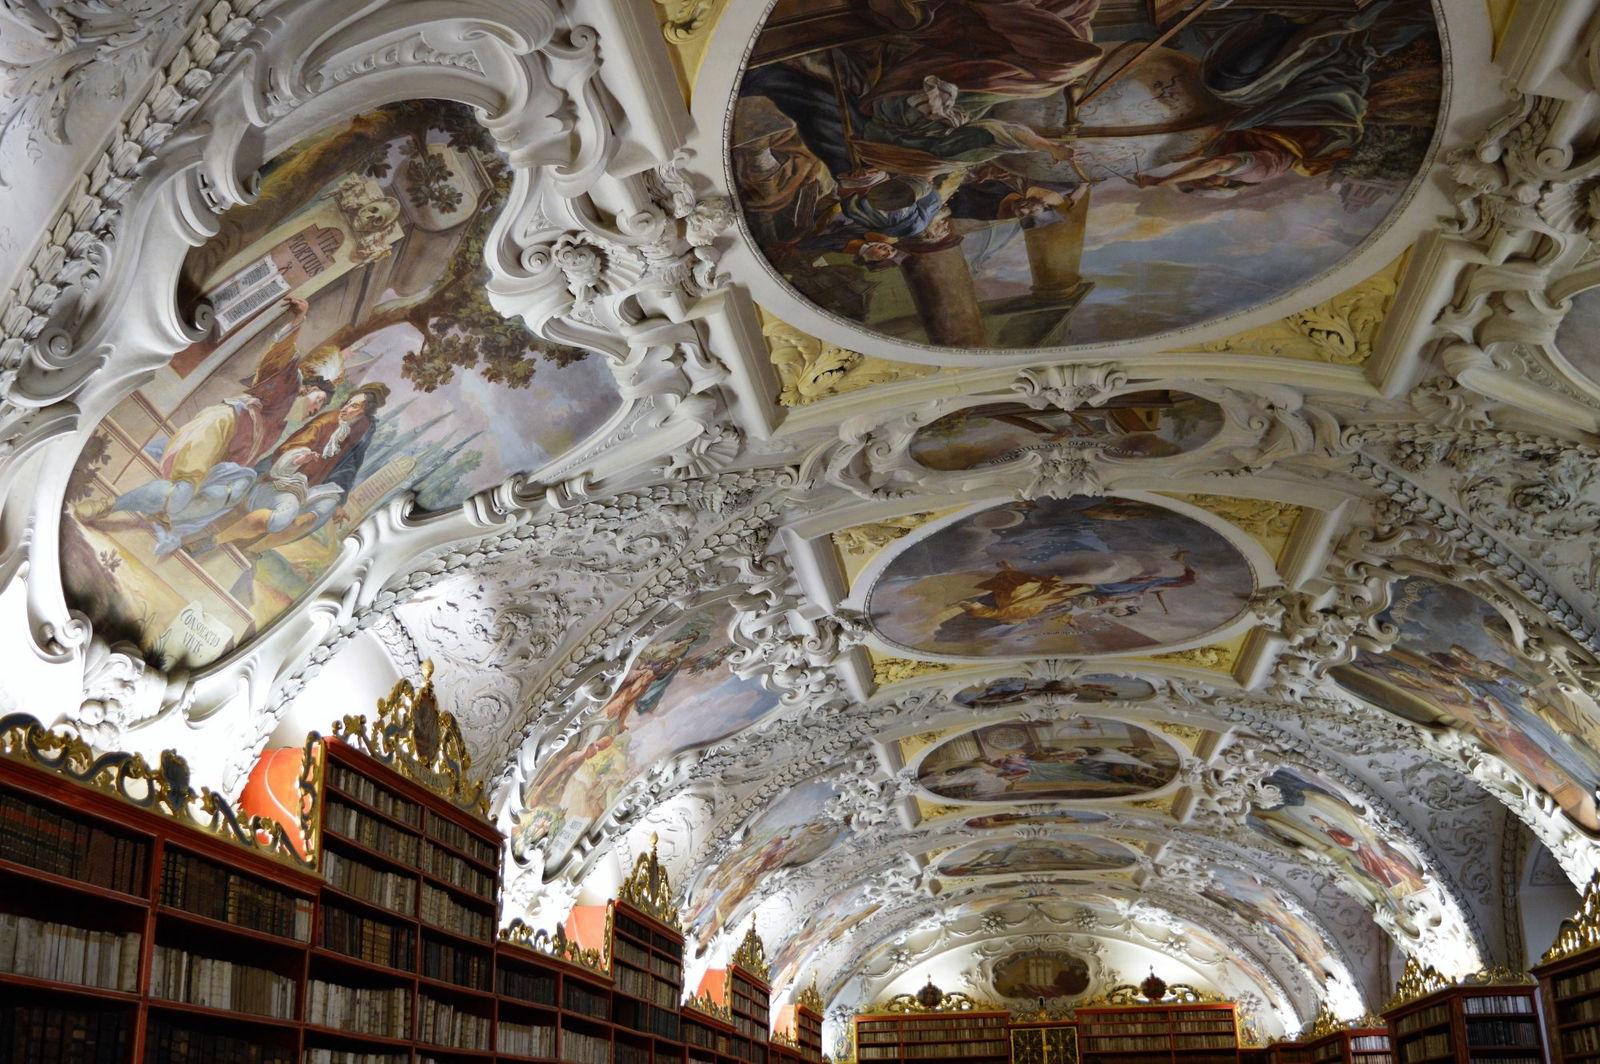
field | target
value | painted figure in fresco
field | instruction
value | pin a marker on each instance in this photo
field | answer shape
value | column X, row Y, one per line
column 1312, row 815
column 1014, row 596
column 202, row 465
column 1381, row 862
column 301, row 485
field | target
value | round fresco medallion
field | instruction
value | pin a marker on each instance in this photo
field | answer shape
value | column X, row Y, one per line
column 1072, row 577
column 1143, row 425
column 1061, row 760
column 1039, row 173
column 1041, row 973
column 1061, row 853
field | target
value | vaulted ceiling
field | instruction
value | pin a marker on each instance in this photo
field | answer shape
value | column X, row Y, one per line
column 1102, row 484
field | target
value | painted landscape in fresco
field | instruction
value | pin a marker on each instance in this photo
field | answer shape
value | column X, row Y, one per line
column 1097, row 688
column 678, row 694
column 1455, row 664
column 789, row 834
column 1072, row 577
column 1143, row 425
column 972, row 174
column 1041, row 973
column 1064, row 853
column 1260, row 906
column 1054, row 816
column 1314, row 815
column 1066, row 760
column 354, row 357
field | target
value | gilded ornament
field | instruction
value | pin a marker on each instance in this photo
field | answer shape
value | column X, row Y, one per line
column 648, row 888
column 1216, row 657
column 1417, row 980
column 165, row 789
column 1581, row 930
column 786, row 1039
column 810, row 998
column 1341, row 330
column 887, row 671
column 1266, row 521
column 908, row 1004
column 1324, row 1024
column 422, row 742
column 858, row 543
column 1188, row 734
column 751, row 955
column 556, row 944
column 706, row 1004
column 1497, row 975
column 810, row 369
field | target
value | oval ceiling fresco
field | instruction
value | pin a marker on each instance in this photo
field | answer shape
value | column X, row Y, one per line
column 1061, row 853
column 1262, row 906
column 1041, row 974
column 1065, row 760
column 354, row 357
column 1455, row 664
column 1099, row 688
column 1142, row 425
column 1578, row 338
column 1039, row 173
column 1072, row 577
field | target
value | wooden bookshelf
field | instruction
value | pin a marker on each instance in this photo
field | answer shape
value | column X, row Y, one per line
column 1255, row 1055
column 1356, row 1045
column 647, row 976
column 1469, row 1025
column 1289, row 1053
column 1569, row 984
column 1200, row 1033
column 1044, row 1042
column 808, row 1031
column 921, row 1037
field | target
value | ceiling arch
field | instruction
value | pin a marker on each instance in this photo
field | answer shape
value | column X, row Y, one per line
column 747, row 537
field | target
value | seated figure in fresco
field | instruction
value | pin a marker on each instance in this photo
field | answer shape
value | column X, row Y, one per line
column 206, row 462
column 1299, row 92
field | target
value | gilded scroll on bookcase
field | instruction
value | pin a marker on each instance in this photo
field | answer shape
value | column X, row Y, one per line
column 751, row 955
column 556, row 944
column 648, row 888
column 1581, row 930
column 164, row 789
column 417, row 739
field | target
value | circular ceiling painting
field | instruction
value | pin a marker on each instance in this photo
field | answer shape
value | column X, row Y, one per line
column 1078, row 759
column 1064, row 853
column 1041, row 973
column 1037, row 173
column 1074, row 576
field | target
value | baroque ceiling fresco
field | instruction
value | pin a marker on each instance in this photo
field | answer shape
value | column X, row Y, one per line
column 1016, row 494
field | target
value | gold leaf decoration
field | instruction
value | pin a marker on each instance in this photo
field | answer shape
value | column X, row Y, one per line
column 1341, row 330
column 1267, row 521
column 955, row 1001
column 811, row 369
column 648, row 888
column 1216, row 657
column 886, row 671
column 165, row 789
column 422, row 742
column 751, row 955
column 810, row 998
column 556, row 944
column 1188, row 734
column 707, row 1005
column 1324, row 1024
column 686, row 26
column 1581, row 930
column 1417, row 980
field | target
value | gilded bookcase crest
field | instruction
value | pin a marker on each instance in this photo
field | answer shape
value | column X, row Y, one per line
column 954, row 1001
column 752, row 955
column 1581, row 930
column 413, row 736
column 556, row 944
column 648, row 888
column 1417, row 980
column 164, row 789
column 1324, row 1024
column 811, row 998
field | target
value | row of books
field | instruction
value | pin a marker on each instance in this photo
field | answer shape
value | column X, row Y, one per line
column 750, row 1028
column 630, row 1054
column 1583, row 1009
column 647, row 1018
column 710, row 1038
column 525, row 1039
column 932, row 1023
column 629, row 953
column 1582, row 1040
column 367, row 791
column 537, row 987
column 458, row 873
column 442, row 1024
column 1205, row 1041
column 67, row 954
column 176, row 975
column 46, row 840
column 1416, row 1021
column 1368, row 1043
column 1578, row 983
column 453, row 964
column 642, row 985
column 391, row 890
column 580, row 1048
column 581, row 999
column 937, row 1051
column 345, row 1056
column 441, row 909
column 374, row 941
column 172, row 1042
column 385, row 1012
column 452, row 834
column 627, row 925
column 43, row 1034
column 1490, row 1004
column 1502, row 1033
column 370, row 832
column 1430, row 1045
column 1128, row 1043
column 208, row 889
